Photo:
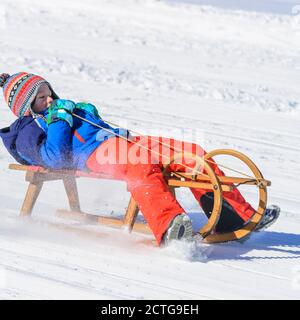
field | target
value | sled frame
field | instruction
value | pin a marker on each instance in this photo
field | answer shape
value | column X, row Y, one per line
column 36, row 176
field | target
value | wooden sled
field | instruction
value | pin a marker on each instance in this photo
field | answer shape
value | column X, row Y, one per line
column 36, row 176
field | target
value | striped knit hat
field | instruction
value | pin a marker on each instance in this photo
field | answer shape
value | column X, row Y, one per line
column 20, row 90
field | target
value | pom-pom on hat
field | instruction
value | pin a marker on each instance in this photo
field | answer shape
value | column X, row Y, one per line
column 20, row 90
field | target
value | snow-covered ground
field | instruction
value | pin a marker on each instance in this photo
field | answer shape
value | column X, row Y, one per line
column 214, row 75
column 270, row 6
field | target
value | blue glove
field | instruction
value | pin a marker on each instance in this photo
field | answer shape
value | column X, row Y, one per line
column 88, row 107
column 61, row 110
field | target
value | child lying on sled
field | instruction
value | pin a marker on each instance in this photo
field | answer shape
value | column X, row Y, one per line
column 48, row 134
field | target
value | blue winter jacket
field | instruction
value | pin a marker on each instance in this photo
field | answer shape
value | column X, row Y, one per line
column 58, row 146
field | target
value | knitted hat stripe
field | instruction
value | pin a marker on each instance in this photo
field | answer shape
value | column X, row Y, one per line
column 28, row 99
column 25, row 94
column 17, row 96
column 11, row 83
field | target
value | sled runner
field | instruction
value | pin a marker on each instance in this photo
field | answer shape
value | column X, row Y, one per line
column 208, row 180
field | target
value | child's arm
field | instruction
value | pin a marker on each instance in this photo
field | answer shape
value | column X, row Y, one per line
column 56, row 149
column 103, row 134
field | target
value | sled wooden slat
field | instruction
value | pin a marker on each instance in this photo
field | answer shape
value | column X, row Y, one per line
column 56, row 173
column 131, row 214
column 196, row 184
column 227, row 179
column 140, row 227
column 103, row 220
column 77, row 215
column 72, row 192
column 31, row 196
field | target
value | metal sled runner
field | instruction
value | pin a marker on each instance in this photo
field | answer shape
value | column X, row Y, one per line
column 207, row 180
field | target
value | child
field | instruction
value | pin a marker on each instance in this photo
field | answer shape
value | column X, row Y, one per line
column 56, row 133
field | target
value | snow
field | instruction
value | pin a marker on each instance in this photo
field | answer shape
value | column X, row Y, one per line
column 223, row 74
column 270, row 6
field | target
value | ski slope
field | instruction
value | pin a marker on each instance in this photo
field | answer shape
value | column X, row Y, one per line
column 219, row 76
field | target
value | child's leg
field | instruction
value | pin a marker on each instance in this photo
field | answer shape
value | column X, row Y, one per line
column 235, row 210
column 144, row 181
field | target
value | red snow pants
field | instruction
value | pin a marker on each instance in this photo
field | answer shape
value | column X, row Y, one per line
column 119, row 159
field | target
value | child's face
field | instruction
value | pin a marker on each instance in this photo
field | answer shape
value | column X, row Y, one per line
column 43, row 99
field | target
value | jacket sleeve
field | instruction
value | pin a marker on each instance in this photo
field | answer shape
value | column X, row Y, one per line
column 56, row 147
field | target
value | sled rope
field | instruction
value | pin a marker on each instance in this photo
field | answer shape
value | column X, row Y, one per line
column 174, row 149
column 161, row 143
column 136, row 143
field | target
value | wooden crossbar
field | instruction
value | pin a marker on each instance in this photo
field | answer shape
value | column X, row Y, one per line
column 196, row 184
column 226, row 179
